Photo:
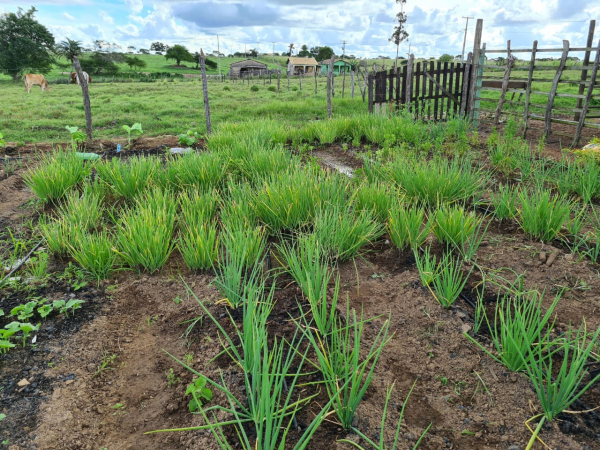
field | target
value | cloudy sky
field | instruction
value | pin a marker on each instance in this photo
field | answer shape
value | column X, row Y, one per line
column 435, row 26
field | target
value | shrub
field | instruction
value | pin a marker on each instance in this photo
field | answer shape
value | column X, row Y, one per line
column 254, row 88
column 272, row 88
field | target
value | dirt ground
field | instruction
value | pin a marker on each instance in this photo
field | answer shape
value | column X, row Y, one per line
column 471, row 401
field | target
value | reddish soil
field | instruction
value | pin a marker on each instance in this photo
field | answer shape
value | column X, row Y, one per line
column 135, row 318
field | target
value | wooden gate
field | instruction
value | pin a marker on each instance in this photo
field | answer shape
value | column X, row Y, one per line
column 435, row 92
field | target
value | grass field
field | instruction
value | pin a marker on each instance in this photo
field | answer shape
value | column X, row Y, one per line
column 162, row 107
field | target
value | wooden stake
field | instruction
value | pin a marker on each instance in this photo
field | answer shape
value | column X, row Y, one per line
column 332, row 75
column 330, row 92
column 315, row 81
column 475, row 66
column 352, row 82
column 409, row 79
column 587, row 97
column 528, row 87
column 344, row 79
column 205, row 92
column 278, row 87
column 86, row 98
column 586, row 61
column 300, row 81
column 369, row 88
column 550, row 104
column 510, row 60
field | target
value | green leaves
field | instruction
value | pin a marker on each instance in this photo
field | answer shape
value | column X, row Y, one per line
column 200, row 393
column 2, row 143
column 543, row 215
column 407, row 227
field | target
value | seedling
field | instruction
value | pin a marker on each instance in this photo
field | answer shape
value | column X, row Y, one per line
column 76, row 136
column 200, row 393
column 64, row 306
column 6, row 345
column 27, row 329
column 136, row 128
column 2, row 143
column 172, row 379
column 107, row 361
column 24, row 312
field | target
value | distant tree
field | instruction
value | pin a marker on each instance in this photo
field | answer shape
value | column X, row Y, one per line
column 445, row 58
column 304, row 52
column 291, row 49
column 159, row 47
column 210, row 64
column 399, row 34
column 135, row 62
column 130, row 49
column 252, row 52
column 25, row 44
column 144, row 51
column 98, row 63
column 500, row 61
column 179, row 53
column 324, row 53
column 314, row 51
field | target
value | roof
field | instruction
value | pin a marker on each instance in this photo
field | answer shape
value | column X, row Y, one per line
column 297, row 61
column 249, row 63
column 328, row 61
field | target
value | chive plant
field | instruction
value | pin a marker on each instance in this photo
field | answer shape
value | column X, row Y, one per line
column 453, row 225
column 308, row 265
column 58, row 233
column 426, row 265
column 376, row 197
column 145, row 231
column 202, row 171
column 505, row 202
column 197, row 208
column 342, row 232
column 237, row 210
column 543, row 215
column 83, row 211
column 56, row 174
column 129, row 178
column 199, row 245
column 559, row 389
column 407, row 227
column 448, row 280
column 519, row 325
column 94, row 253
column 342, row 363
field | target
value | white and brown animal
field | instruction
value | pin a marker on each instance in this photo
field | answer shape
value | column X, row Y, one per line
column 32, row 79
column 75, row 78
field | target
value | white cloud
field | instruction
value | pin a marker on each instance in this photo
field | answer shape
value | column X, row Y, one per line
column 106, row 17
column 136, row 6
column 68, row 16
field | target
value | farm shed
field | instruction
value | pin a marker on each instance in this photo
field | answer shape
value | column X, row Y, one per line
column 297, row 65
column 246, row 66
column 339, row 66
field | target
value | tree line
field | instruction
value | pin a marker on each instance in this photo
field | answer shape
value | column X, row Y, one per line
column 28, row 46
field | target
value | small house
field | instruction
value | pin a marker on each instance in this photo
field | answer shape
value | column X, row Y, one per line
column 297, row 66
column 339, row 66
column 247, row 67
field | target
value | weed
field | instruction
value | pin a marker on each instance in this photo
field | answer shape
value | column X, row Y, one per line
column 199, row 392
column 77, row 137
column 107, row 361
column 172, row 379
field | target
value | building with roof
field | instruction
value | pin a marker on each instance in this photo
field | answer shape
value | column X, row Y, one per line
column 247, row 67
column 297, row 66
column 339, row 66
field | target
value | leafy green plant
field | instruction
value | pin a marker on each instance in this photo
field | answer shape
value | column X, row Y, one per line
column 172, row 379
column 25, row 311
column 77, row 136
column 407, row 227
column 200, row 393
column 188, row 139
column 45, row 310
column 136, row 128
column 144, row 235
column 543, row 215
column 381, row 445
column 519, row 325
column 27, row 329
column 56, row 174
column 559, row 389
column 107, row 361
column 342, row 233
column 448, row 280
column 2, row 142
column 94, row 253
column 505, row 202
column 63, row 306
column 254, row 88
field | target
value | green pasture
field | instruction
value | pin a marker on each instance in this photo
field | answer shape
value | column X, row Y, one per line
column 162, row 107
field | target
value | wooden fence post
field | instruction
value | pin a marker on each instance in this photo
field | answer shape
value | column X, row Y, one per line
column 352, row 82
column 586, row 104
column 409, row 79
column 344, row 79
column 510, row 60
column 550, row 104
column 205, row 92
column 478, row 82
column 369, row 88
column 528, row 87
column 475, row 67
column 586, row 61
column 300, row 75
column 288, row 75
column 278, row 86
column 86, row 98
column 315, row 81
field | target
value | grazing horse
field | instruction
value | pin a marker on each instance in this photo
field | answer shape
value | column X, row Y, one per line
column 32, row 79
column 75, row 78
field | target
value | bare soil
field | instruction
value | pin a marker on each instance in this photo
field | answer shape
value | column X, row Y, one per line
column 471, row 401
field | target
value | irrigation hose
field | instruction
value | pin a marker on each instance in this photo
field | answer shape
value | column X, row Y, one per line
column 21, row 262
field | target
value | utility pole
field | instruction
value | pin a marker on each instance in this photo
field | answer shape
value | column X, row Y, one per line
column 462, row 55
column 343, row 49
column 408, row 50
column 219, row 54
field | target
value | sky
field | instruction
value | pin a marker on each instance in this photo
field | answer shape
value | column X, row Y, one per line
column 435, row 27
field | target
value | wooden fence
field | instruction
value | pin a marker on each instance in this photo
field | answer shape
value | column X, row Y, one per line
column 576, row 111
column 433, row 91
